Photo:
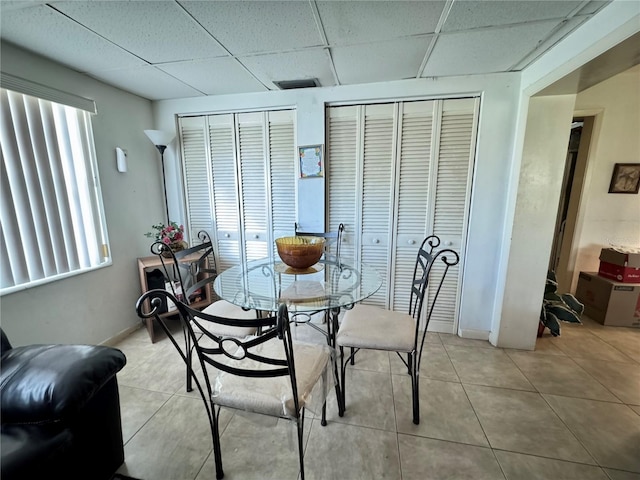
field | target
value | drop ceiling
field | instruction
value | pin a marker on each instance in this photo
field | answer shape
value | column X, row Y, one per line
column 174, row 49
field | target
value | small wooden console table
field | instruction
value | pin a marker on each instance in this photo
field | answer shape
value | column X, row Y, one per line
column 146, row 264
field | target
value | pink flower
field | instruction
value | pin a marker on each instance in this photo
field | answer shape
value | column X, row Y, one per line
column 166, row 240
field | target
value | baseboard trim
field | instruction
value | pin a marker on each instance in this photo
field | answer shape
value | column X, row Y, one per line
column 110, row 342
column 440, row 327
column 474, row 334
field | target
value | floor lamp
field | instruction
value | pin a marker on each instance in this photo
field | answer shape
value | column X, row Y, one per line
column 161, row 139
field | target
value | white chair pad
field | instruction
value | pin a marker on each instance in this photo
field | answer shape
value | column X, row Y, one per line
column 273, row 396
column 375, row 328
column 225, row 309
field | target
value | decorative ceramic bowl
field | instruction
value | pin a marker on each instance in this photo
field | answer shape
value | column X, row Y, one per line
column 300, row 252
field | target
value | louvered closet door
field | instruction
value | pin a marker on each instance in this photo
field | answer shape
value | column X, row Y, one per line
column 223, row 188
column 455, row 153
column 343, row 146
column 240, row 178
column 412, row 223
column 407, row 167
column 196, row 175
column 282, row 168
column 252, row 150
column 377, row 194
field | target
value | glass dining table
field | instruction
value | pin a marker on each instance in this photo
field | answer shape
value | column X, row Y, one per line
column 326, row 287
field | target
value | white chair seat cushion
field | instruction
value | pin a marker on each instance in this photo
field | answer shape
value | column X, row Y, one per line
column 375, row 328
column 273, row 396
column 225, row 309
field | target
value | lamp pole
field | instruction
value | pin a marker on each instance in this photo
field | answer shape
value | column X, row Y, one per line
column 162, row 148
column 161, row 139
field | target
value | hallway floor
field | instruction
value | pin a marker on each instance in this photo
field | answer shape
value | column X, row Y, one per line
column 569, row 410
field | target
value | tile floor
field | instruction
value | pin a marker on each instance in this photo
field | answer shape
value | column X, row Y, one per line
column 569, row 410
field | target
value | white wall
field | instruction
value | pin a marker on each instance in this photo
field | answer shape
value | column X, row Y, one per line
column 607, row 218
column 499, row 106
column 95, row 306
column 541, row 172
column 514, row 321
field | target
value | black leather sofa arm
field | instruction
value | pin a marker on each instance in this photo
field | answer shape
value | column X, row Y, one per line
column 49, row 383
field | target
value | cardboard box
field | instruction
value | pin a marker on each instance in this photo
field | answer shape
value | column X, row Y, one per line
column 620, row 256
column 619, row 274
column 622, row 265
column 609, row 302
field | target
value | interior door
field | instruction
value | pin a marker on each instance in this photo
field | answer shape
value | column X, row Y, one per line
column 453, row 177
column 253, row 177
column 413, row 186
column 239, row 179
column 376, row 220
column 397, row 173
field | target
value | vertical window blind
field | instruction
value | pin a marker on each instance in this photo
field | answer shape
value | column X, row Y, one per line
column 52, row 221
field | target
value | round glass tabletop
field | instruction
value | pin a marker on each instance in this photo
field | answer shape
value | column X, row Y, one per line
column 265, row 284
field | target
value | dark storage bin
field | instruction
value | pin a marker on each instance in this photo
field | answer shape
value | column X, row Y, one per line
column 156, row 280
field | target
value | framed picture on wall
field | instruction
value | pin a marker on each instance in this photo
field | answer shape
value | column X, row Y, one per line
column 625, row 178
column 311, row 161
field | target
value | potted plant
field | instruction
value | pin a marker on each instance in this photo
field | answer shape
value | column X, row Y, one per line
column 557, row 308
column 171, row 235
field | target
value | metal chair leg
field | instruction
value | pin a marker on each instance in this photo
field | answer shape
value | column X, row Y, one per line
column 300, row 424
column 332, row 328
column 217, row 453
column 415, row 391
column 323, row 421
column 342, row 397
column 189, row 352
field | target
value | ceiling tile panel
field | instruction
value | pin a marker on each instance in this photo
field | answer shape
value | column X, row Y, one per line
column 475, row 14
column 253, row 26
column 215, row 76
column 564, row 30
column 364, row 21
column 155, row 31
column 162, row 49
column 594, row 6
column 484, row 51
column 380, row 62
column 51, row 34
column 147, row 82
column 310, row 63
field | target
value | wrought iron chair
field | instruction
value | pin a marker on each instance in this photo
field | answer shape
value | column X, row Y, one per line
column 333, row 243
column 267, row 374
column 194, row 270
column 332, row 239
column 374, row 328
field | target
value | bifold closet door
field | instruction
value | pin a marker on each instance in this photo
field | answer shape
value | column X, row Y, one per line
column 455, row 154
column 414, row 194
column 397, row 173
column 239, row 180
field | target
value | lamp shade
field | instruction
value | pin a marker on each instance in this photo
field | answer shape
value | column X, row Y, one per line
column 159, row 137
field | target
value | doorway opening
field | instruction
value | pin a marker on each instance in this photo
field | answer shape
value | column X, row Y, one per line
column 563, row 255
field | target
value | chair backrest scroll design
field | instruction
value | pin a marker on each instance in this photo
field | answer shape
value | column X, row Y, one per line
column 201, row 269
column 435, row 277
column 330, row 237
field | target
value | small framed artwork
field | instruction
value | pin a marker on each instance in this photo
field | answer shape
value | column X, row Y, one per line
column 311, row 161
column 625, row 178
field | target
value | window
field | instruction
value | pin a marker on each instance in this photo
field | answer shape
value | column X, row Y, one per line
column 52, row 221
